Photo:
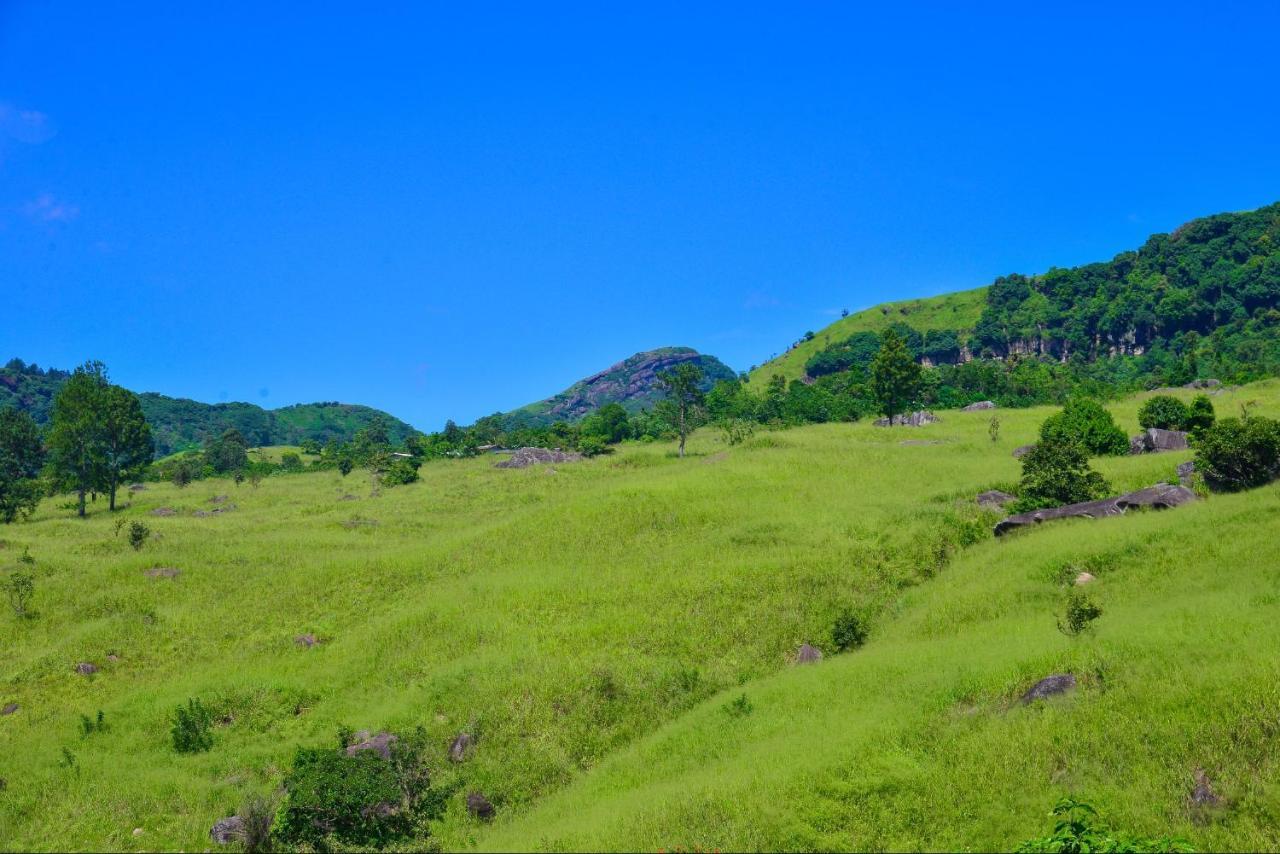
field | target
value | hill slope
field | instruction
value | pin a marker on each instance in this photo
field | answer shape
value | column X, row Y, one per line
column 631, row 383
column 178, row 423
column 595, row 627
column 959, row 310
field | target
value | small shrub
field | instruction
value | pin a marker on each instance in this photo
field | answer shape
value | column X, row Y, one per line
column 1055, row 473
column 1165, row 412
column 739, row 707
column 120, row 523
column 592, row 446
column 1200, row 415
column 68, row 760
column 258, row 814
column 182, row 475
column 399, row 472
column 21, row 587
column 993, row 428
column 290, row 462
column 138, row 535
column 88, row 725
column 1237, row 454
column 849, row 631
column 191, row 725
column 1085, row 422
column 1081, row 611
column 737, row 430
column 345, row 465
column 1078, row 830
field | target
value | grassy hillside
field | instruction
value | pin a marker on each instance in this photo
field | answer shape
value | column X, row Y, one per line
column 959, row 310
column 590, row 622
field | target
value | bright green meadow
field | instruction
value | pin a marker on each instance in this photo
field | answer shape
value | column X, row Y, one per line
column 597, row 625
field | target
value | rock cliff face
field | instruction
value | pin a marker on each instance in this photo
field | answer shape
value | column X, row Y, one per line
column 631, row 383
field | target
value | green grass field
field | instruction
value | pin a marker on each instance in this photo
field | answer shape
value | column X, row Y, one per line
column 959, row 310
column 592, row 623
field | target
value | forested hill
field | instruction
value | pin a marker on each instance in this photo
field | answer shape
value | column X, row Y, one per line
column 178, row 423
column 1203, row 299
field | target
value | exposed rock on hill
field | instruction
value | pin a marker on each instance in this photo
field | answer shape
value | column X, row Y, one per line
column 525, row 457
column 1153, row 440
column 631, row 383
column 911, row 419
column 1159, row 497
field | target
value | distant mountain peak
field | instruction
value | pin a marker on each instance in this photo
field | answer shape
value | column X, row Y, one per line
column 631, row 383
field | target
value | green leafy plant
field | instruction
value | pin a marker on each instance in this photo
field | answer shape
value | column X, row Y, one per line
column 191, row 727
column 592, row 446
column 849, row 631
column 138, row 535
column 1056, row 472
column 993, row 428
column 1080, row 612
column 1165, row 412
column 88, row 725
column 1200, row 415
column 21, row 587
column 1237, row 454
column 1078, row 830
column 1085, row 422
column 739, row 707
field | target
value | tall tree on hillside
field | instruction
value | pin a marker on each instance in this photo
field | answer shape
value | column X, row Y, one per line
column 683, row 388
column 76, row 446
column 21, row 456
column 895, row 376
column 126, row 438
column 227, row 453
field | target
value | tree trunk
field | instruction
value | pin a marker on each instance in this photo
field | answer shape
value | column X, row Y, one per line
column 682, row 432
column 81, row 513
column 113, row 495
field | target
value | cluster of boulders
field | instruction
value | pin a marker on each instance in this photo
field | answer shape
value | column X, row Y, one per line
column 979, row 406
column 524, row 457
column 918, row 418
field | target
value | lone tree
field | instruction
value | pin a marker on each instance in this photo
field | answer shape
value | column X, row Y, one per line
column 895, row 376
column 76, row 445
column 683, row 387
column 1056, row 472
column 227, row 453
column 126, row 438
column 21, row 456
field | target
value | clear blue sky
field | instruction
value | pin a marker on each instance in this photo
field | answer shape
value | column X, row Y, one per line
column 446, row 210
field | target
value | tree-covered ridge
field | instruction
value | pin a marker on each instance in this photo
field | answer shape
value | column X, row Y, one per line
column 181, row 424
column 1215, row 273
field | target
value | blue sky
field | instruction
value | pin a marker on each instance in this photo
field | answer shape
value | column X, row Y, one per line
column 445, row 210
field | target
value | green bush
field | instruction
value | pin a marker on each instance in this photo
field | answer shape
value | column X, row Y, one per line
column 138, row 534
column 20, row 586
column 1081, row 611
column 1084, row 422
column 849, row 631
column 1165, row 412
column 399, row 472
column 1237, row 454
column 290, row 462
column 360, row 800
column 191, row 725
column 1077, row 831
column 1056, row 472
column 592, row 446
column 1200, row 415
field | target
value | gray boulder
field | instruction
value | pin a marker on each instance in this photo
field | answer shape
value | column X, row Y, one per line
column 379, row 743
column 9, row 709
column 85, row 668
column 1186, row 471
column 1202, row 794
column 1022, row 450
column 164, row 511
column 1153, row 440
column 460, row 748
column 478, row 805
column 227, row 830
column 308, row 640
column 1209, row 383
column 525, row 457
column 979, row 406
column 808, row 654
column 1162, row 496
column 1050, row 686
column 994, row 499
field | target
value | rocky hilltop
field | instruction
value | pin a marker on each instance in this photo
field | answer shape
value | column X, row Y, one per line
column 631, row 383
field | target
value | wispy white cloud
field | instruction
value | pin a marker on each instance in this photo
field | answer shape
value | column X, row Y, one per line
column 46, row 208
column 30, row 126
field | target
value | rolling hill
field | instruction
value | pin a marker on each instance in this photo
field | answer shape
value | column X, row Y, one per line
column 619, row 634
column 631, row 383
column 179, row 424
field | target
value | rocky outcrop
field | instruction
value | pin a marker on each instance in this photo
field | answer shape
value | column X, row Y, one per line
column 1022, row 450
column 1186, row 472
column 994, row 499
column 979, row 406
column 808, row 654
column 910, row 419
column 379, row 743
column 524, row 457
column 1159, row 497
column 1154, row 440
column 479, row 806
column 1050, row 686
column 460, row 748
column 227, row 830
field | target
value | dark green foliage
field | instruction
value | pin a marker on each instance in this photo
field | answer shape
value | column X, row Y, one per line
column 739, row 707
column 228, row 452
column 345, row 465
column 849, row 631
column 127, row 446
column 138, row 534
column 737, row 430
column 88, row 725
column 1165, row 412
column 191, row 727
column 20, row 586
column 1237, row 453
column 359, row 800
column 856, row 351
column 1078, row 831
column 993, row 428
column 257, row 815
column 1080, row 612
column 21, row 457
column 895, row 376
column 1056, row 472
column 609, row 423
column 683, row 387
column 592, row 446
column 76, row 453
column 1085, row 422
column 290, row 462
column 1200, row 415
column 399, row 472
